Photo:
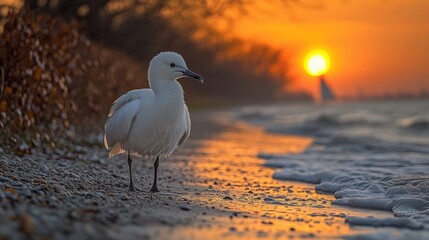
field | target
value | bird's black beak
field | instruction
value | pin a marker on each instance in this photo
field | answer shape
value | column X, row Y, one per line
column 193, row 75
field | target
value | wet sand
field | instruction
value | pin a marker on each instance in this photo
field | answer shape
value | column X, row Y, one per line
column 213, row 187
column 229, row 194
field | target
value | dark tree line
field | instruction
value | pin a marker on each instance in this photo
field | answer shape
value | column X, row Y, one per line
column 142, row 28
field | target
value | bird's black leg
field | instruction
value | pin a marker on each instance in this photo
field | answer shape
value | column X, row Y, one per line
column 131, row 174
column 155, row 165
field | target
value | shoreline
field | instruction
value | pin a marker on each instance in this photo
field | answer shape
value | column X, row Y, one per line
column 214, row 186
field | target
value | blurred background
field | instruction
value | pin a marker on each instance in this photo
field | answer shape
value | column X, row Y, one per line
column 66, row 61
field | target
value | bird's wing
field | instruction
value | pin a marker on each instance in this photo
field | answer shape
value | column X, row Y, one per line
column 126, row 98
column 121, row 116
column 188, row 127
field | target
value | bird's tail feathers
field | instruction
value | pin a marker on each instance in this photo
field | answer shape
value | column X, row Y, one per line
column 117, row 149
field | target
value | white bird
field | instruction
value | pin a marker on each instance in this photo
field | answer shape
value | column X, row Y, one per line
column 151, row 122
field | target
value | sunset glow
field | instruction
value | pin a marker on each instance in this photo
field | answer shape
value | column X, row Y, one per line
column 380, row 48
column 317, row 63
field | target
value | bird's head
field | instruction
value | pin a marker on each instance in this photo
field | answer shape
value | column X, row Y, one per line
column 170, row 66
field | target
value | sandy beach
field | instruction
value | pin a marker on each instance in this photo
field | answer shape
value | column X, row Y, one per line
column 213, row 187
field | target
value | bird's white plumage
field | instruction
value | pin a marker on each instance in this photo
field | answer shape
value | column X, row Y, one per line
column 151, row 122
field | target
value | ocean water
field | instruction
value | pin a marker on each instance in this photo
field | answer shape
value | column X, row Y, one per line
column 368, row 154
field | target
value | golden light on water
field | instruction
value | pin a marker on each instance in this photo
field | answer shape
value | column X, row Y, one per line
column 227, row 164
column 317, row 63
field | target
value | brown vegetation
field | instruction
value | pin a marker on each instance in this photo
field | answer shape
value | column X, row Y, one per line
column 53, row 74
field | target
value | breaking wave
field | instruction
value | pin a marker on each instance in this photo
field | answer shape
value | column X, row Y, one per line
column 369, row 155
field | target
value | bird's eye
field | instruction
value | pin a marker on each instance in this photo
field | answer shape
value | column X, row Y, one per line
column 172, row 65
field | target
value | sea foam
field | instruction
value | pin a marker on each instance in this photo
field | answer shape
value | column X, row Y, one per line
column 369, row 155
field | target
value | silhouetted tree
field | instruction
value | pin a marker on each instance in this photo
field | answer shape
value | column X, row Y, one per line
column 143, row 28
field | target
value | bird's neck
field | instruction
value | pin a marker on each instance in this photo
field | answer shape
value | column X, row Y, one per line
column 167, row 88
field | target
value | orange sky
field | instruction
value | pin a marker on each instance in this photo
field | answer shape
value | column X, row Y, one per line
column 376, row 46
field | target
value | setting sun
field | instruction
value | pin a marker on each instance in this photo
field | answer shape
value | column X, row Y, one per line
column 317, row 63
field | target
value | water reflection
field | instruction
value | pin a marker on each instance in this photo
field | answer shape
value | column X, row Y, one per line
column 242, row 199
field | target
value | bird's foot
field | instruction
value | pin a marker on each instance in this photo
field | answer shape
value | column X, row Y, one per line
column 154, row 189
column 134, row 189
